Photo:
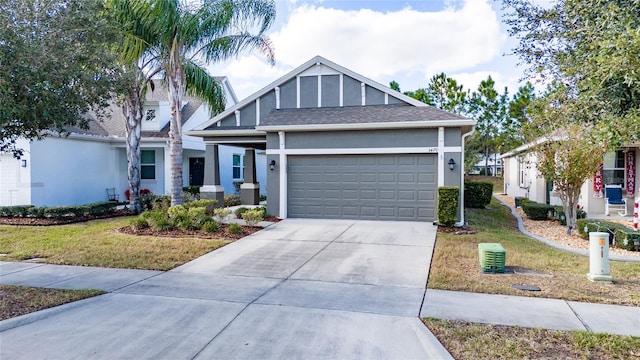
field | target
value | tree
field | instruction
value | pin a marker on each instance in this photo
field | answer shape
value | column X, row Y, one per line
column 53, row 67
column 175, row 36
column 490, row 109
column 593, row 47
column 442, row 92
column 568, row 152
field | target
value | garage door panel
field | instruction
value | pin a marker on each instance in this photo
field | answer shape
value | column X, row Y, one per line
column 390, row 187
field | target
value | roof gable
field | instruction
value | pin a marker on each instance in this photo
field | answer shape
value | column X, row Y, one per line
column 318, row 83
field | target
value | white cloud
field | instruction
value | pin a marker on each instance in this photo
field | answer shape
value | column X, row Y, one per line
column 404, row 44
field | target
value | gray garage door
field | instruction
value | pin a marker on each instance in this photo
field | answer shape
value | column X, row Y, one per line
column 380, row 187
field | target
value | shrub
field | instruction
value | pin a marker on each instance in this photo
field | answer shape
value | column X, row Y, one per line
column 208, row 204
column 619, row 235
column 15, row 211
column 263, row 197
column 210, row 227
column 196, row 212
column 99, row 208
column 448, row 205
column 536, row 211
column 231, row 200
column 60, row 211
column 252, row 217
column 200, row 220
column 477, row 194
column 235, row 228
column 559, row 214
column 155, row 202
column 192, row 190
column 627, row 239
column 185, row 223
column 138, row 223
column 176, row 211
column 239, row 211
column 221, row 214
column 161, row 224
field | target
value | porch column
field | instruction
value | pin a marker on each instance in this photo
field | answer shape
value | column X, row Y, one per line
column 250, row 189
column 211, row 188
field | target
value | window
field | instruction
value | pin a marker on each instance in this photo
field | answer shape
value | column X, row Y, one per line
column 613, row 168
column 148, row 164
column 238, row 165
column 151, row 114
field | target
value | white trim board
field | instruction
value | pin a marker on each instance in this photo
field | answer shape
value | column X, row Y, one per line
column 357, row 151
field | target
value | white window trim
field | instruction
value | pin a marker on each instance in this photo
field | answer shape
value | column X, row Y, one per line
column 241, row 166
column 149, row 164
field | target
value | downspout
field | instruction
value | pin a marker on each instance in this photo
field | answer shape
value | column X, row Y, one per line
column 464, row 137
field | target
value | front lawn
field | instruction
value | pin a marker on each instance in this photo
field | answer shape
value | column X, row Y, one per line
column 98, row 243
column 562, row 275
column 481, row 341
column 20, row 300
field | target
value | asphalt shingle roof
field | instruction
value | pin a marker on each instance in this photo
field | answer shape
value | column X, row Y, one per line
column 113, row 123
column 357, row 115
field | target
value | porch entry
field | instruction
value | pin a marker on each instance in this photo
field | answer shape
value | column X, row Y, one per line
column 196, row 171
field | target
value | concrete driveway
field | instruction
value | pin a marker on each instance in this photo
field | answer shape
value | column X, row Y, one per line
column 299, row 289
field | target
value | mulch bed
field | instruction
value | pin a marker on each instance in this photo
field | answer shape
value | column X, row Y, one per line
column 463, row 230
column 223, row 232
column 31, row 221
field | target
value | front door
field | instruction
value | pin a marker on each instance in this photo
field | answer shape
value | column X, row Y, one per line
column 196, row 171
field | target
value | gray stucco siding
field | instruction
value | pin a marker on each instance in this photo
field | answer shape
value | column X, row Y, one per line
column 330, row 90
column 248, row 115
column 273, row 141
column 288, row 95
column 308, row 91
column 352, row 95
column 373, row 96
column 452, row 137
column 452, row 177
column 360, row 139
column 273, row 188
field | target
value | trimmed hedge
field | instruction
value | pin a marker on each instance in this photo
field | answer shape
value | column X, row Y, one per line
column 619, row 235
column 97, row 208
column 448, row 205
column 477, row 194
column 536, row 211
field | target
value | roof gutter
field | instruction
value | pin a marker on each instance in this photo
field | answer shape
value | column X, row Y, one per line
column 369, row 126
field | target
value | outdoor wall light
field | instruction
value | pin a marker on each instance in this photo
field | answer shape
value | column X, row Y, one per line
column 452, row 164
column 272, row 165
column 23, row 163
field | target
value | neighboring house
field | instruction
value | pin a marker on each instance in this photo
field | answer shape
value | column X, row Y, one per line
column 77, row 169
column 340, row 145
column 619, row 168
column 493, row 162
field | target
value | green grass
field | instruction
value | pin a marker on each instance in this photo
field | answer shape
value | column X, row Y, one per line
column 455, row 264
column 97, row 243
column 20, row 300
column 481, row 341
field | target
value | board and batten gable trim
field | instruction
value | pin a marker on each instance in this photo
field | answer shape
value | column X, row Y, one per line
column 300, row 70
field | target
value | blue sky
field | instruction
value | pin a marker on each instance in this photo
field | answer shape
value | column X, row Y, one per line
column 405, row 41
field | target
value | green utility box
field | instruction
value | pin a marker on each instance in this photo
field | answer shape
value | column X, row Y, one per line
column 492, row 257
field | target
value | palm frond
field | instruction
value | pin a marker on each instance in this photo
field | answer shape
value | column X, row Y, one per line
column 202, row 85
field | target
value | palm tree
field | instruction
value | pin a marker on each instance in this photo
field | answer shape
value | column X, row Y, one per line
column 176, row 39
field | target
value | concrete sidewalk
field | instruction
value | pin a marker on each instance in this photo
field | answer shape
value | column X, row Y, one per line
column 313, row 289
column 532, row 312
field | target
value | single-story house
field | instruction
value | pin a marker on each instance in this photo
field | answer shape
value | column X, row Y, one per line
column 78, row 168
column 619, row 168
column 493, row 162
column 340, row 145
